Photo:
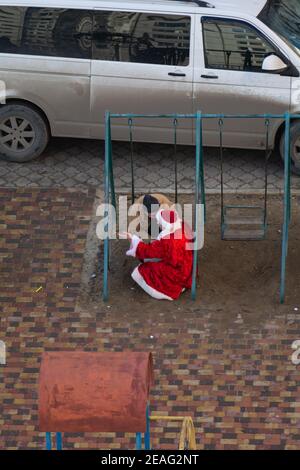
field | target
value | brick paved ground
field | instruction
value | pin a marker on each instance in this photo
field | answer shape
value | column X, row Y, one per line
column 75, row 163
column 42, row 241
column 235, row 378
column 238, row 383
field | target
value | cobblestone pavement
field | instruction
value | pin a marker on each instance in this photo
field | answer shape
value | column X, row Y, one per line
column 79, row 163
column 237, row 380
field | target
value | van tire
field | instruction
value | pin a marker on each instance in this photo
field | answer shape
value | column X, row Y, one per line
column 24, row 133
column 295, row 147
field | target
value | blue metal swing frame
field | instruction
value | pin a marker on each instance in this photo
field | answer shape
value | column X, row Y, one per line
column 58, row 438
column 138, row 437
column 199, row 181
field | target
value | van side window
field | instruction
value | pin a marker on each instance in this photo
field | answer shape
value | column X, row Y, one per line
column 142, row 37
column 46, row 31
column 234, row 45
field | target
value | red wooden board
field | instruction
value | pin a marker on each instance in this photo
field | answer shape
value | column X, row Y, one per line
column 94, row 392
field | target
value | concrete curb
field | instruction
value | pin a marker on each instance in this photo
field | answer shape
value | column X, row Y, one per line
column 258, row 192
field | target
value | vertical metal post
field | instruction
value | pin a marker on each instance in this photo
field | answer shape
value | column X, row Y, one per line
column 147, row 433
column 175, row 123
column 130, row 124
column 111, row 173
column 107, row 173
column 287, row 203
column 48, row 441
column 58, row 441
column 202, row 183
column 199, row 176
column 138, row 441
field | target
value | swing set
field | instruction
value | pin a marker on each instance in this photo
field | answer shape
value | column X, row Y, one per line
column 238, row 222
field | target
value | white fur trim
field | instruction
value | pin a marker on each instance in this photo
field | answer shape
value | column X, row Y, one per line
column 133, row 246
column 168, row 228
column 168, row 231
column 138, row 278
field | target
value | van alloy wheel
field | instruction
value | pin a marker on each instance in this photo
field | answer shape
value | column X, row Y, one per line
column 295, row 146
column 16, row 133
column 24, row 132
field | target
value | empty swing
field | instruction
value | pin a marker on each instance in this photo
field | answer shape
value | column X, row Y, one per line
column 131, row 145
column 244, row 222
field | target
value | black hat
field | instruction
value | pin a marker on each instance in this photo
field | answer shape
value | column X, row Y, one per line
column 149, row 202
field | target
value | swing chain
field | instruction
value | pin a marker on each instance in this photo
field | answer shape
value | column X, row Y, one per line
column 175, row 124
column 221, row 126
column 130, row 125
column 267, row 157
column 267, row 125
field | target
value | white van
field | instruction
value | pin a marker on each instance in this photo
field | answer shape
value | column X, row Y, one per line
column 63, row 63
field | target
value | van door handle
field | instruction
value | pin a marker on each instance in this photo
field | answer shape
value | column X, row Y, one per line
column 177, row 74
column 213, row 77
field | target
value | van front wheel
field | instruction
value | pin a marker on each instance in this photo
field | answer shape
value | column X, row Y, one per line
column 24, row 133
column 295, row 147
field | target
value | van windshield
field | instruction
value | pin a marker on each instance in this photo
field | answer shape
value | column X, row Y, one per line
column 283, row 17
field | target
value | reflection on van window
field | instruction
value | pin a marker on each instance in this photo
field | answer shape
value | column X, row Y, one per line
column 234, row 46
column 46, row 31
column 283, row 17
column 141, row 37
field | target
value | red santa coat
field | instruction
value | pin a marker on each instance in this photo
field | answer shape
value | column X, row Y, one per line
column 169, row 277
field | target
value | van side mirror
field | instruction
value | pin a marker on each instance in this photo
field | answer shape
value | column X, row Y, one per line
column 274, row 64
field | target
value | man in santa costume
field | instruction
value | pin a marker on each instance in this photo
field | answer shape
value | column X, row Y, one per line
column 171, row 275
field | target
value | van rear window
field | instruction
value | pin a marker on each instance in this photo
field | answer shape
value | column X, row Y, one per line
column 46, row 31
column 117, row 36
column 142, row 37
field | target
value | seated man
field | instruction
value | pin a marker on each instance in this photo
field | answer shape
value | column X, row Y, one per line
column 151, row 204
column 168, row 277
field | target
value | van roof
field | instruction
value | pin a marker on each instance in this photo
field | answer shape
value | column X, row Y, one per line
column 252, row 7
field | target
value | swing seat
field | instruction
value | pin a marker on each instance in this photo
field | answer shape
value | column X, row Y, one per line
column 243, row 223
